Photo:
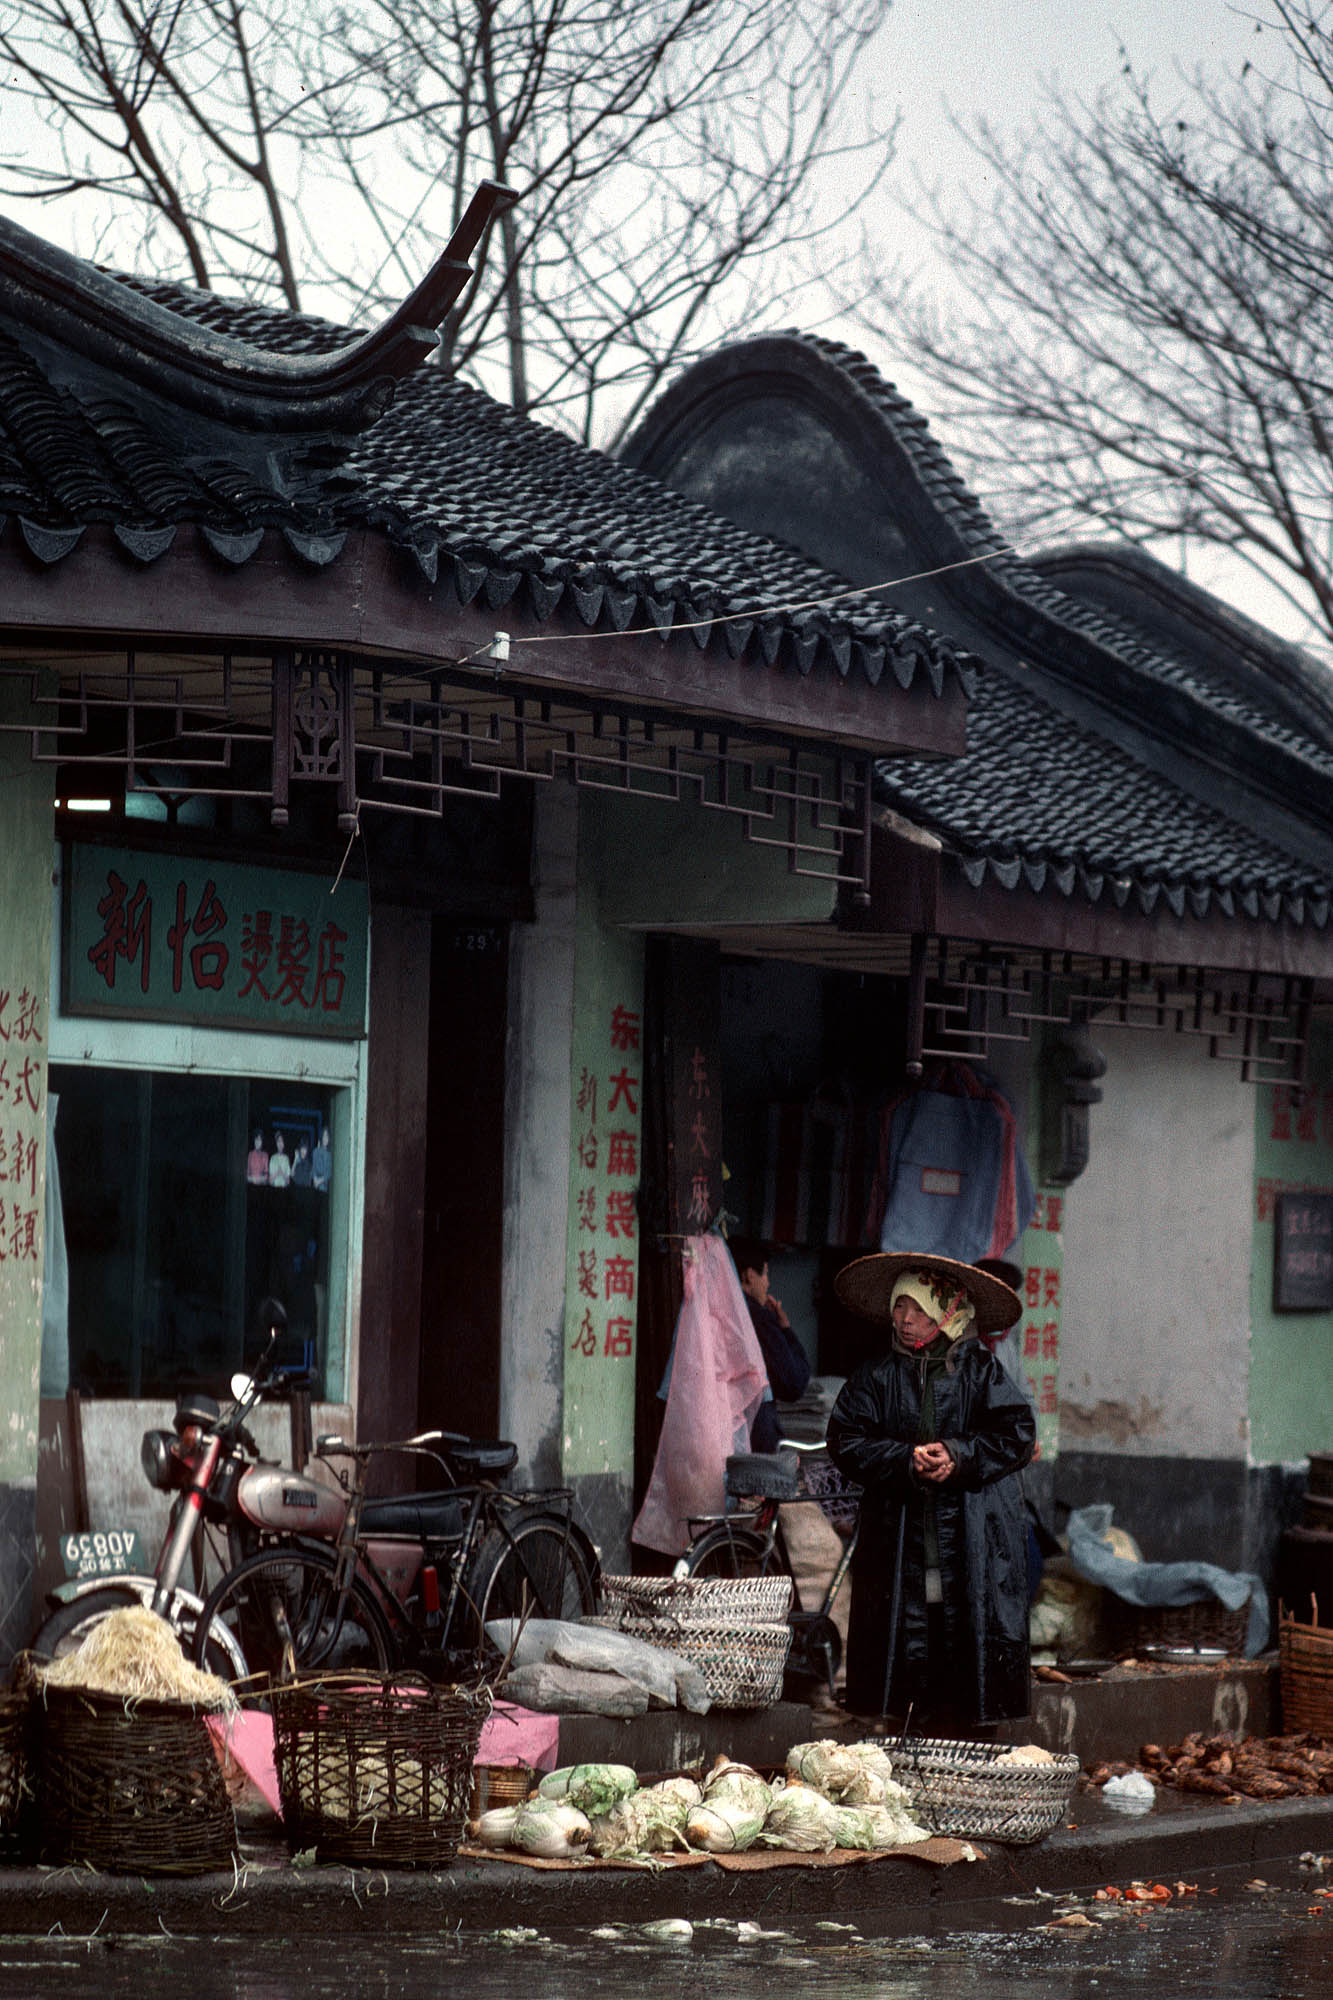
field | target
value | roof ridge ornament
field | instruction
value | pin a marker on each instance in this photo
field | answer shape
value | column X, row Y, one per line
column 54, row 299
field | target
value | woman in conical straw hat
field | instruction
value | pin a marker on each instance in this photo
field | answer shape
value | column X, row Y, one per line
column 935, row 1433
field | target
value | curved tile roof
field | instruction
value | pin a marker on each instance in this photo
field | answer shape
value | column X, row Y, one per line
column 1041, row 802
column 1126, row 759
column 508, row 510
column 1212, row 683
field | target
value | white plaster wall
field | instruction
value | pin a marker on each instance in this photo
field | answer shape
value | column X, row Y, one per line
column 537, row 1058
column 1155, row 1335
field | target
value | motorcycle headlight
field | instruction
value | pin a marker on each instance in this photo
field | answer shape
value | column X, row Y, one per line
column 156, row 1458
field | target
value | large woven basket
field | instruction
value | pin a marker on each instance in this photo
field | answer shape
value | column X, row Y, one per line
column 963, row 1789
column 734, row 1630
column 376, row 1772
column 1305, row 1674
column 1204, row 1626
column 17, row 1770
column 131, row 1786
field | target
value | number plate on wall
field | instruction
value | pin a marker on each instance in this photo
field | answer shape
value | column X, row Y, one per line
column 102, row 1552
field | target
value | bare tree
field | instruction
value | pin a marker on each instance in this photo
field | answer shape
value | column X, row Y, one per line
column 679, row 163
column 1143, row 334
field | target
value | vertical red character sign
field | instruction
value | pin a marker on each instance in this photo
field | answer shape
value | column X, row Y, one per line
column 22, row 1111
column 1039, row 1328
column 608, row 1090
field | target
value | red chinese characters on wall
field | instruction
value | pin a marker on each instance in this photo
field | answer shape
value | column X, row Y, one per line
column 22, row 1110
column 1038, row 1331
column 607, row 1098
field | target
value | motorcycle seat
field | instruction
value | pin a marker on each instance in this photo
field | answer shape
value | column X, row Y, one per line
column 428, row 1517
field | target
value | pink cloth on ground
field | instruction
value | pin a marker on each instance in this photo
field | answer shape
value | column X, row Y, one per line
column 514, row 1735
column 717, row 1383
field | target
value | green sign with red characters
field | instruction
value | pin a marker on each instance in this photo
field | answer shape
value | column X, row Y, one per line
column 167, row 937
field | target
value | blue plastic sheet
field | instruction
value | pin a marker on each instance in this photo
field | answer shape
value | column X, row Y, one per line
column 1164, row 1583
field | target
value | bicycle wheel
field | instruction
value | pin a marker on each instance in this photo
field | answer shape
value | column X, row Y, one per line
column 728, row 1551
column 541, row 1567
column 281, row 1608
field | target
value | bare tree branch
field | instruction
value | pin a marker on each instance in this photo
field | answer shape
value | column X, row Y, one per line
column 677, row 162
column 1144, row 330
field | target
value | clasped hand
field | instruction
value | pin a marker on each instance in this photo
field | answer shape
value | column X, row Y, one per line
column 932, row 1462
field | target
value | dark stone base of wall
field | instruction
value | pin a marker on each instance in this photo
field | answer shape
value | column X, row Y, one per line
column 1217, row 1510
column 18, row 1547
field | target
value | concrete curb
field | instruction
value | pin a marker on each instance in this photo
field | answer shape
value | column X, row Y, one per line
column 271, row 1897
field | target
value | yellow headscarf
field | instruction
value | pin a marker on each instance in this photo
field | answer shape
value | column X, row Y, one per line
column 952, row 1310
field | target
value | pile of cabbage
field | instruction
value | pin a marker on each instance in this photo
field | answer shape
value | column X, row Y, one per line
column 831, row 1795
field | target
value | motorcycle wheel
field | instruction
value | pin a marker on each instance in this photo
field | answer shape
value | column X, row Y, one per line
column 285, row 1599
column 68, row 1627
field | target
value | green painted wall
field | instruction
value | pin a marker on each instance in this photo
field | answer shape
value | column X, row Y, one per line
column 606, row 1111
column 1291, row 1353
column 26, row 823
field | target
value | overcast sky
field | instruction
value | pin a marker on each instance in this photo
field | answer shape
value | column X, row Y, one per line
column 992, row 59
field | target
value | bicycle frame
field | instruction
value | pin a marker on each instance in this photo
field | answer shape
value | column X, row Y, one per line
column 435, row 1633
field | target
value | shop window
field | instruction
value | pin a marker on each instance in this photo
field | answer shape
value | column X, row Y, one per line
column 186, row 1200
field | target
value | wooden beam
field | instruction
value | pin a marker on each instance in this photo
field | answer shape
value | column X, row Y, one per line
column 373, row 600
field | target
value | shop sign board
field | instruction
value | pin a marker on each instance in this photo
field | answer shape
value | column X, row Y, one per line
column 208, row 943
column 1303, row 1253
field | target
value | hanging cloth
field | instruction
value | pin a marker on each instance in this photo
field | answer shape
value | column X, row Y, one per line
column 951, row 1176
column 717, row 1382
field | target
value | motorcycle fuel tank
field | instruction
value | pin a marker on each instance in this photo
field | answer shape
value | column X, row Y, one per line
column 276, row 1497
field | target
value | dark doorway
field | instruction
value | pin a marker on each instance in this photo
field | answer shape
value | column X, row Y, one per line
column 459, row 1376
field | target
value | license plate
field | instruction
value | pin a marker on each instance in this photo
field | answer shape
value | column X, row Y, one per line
column 102, row 1552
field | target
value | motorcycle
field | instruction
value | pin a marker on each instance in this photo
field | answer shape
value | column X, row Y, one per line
column 211, row 1463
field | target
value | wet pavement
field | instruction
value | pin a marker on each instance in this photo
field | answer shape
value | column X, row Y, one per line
column 1249, row 1939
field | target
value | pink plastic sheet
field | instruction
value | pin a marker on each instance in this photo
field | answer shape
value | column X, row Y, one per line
column 717, row 1384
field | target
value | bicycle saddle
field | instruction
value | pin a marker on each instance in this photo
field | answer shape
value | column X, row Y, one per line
column 427, row 1517
column 478, row 1458
column 767, row 1475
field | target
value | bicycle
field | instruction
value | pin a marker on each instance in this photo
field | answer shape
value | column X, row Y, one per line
column 751, row 1543
column 370, row 1596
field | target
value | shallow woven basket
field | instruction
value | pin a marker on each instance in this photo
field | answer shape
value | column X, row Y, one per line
column 131, row 1786
column 1305, row 1673
column 960, row 1788
column 734, row 1630
column 376, row 1772
column 17, row 1771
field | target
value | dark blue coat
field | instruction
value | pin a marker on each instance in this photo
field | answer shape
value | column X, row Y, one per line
column 982, row 1628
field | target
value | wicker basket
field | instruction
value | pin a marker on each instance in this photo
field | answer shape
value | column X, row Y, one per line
column 1305, row 1672
column 734, row 1630
column 698, row 1600
column 18, row 1820
column 1205, row 1626
column 131, row 1786
column 962, row 1789
column 376, row 1773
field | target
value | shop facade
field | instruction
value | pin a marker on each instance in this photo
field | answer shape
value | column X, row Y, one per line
column 312, row 857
